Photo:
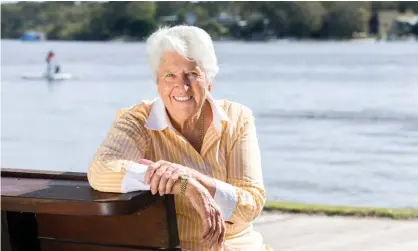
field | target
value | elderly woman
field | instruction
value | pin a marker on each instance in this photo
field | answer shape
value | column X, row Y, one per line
column 186, row 143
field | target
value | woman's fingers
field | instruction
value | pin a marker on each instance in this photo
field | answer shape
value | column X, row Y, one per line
column 206, row 217
column 165, row 177
column 223, row 229
column 213, row 239
column 211, row 216
column 171, row 181
column 207, row 226
column 146, row 162
column 219, row 232
column 214, row 228
column 152, row 168
column 156, row 177
column 161, row 175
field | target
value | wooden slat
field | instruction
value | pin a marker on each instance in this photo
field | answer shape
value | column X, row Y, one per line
column 148, row 228
column 5, row 235
column 170, row 209
column 52, row 245
column 21, row 229
column 36, row 193
column 40, row 174
column 65, row 213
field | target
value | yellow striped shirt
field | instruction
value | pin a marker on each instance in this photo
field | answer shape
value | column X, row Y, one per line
column 230, row 154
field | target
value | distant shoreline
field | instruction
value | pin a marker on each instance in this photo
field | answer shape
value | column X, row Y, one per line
column 121, row 41
column 301, row 208
column 278, row 40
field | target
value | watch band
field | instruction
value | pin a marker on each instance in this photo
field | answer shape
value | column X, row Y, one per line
column 183, row 184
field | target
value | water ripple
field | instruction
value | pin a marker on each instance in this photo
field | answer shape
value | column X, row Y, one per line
column 313, row 186
column 365, row 115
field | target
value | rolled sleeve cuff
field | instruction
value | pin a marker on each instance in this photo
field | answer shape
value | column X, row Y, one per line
column 134, row 179
column 226, row 197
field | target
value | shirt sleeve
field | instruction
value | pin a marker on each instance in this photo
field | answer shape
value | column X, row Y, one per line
column 242, row 196
column 226, row 198
column 115, row 166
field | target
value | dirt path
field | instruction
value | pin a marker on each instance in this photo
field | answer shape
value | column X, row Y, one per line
column 297, row 232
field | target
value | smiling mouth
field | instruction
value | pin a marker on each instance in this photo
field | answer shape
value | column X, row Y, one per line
column 182, row 98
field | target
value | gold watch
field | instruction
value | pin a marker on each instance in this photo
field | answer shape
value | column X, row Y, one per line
column 183, row 184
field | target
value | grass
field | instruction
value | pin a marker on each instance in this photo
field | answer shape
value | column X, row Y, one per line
column 291, row 207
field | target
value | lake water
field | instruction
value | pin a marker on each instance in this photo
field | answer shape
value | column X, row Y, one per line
column 337, row 122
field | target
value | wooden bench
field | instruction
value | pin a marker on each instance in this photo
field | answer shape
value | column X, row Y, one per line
column 60, row 211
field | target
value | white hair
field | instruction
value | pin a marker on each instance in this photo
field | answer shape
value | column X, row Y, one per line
column 189, row 41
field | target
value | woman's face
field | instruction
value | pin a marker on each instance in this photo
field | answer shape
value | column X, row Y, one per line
column 182, row 85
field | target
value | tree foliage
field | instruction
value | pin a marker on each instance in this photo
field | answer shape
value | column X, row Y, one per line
column 136, row 20
column 344, row 19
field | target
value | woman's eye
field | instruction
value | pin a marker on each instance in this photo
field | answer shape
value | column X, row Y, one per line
column 192, row 74
column 169, row 75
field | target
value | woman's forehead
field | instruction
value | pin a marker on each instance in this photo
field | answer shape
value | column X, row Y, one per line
column 173, row 59
column 178, row 67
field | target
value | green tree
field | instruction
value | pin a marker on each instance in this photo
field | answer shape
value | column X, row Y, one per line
column 107, row 20
column 346, row 18
column 297, row 19
column 168, row 8
column 12, row 22
column 215, row 29
column 378, row 5
column 408, row 6
column 305, row 18
column 279, row 20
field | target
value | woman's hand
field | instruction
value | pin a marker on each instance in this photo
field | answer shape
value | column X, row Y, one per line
column 209, row 212
column 162, row 175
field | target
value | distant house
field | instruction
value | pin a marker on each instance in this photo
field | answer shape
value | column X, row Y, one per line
column 169, row 20
column 33, row 36
column 226, row 19
column 172, row 18
column 395, row 24
column 189, row 18
column 408, row 18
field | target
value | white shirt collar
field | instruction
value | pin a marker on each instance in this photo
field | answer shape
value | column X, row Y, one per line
column 158, row 118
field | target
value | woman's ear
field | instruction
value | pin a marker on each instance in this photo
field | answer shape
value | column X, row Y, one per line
column 210, row 87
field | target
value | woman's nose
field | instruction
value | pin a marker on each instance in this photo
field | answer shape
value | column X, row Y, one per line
column 185, row 83
column 186, row 80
